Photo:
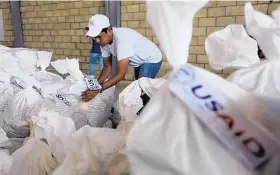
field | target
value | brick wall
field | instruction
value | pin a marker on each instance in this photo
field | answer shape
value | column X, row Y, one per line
column 216, row 15
column 58, row 26
column 7, row 22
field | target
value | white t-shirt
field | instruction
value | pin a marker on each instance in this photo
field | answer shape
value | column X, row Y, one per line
column 128, row 43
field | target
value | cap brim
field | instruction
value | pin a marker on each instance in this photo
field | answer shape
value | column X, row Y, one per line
column 93, row 32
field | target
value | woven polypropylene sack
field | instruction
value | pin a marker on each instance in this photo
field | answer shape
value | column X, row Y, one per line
column 34, row 158
column 18, row 112
column 70, row 107
column 203, row 153
column 92, row 151
column 98, row 109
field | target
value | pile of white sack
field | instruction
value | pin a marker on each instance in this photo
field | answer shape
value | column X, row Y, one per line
column 43, row 123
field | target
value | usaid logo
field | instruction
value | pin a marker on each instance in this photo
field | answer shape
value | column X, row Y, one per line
column 192, row 89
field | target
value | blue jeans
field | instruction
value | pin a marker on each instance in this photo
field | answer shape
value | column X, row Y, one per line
column 149, row 70
column 94, row 57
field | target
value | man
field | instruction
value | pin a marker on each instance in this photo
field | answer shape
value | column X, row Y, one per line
column 128, row 46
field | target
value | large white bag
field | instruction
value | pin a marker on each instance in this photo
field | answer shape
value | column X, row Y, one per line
column 69, row 106
column 98, row 109
column 91, row 151
column 264, row 29
column 260, row 78
column 187, row 127
column 17, row 114
column 48, row 124
column 21, row 106
column 26, row 60
column 231, row 47
column 33, row 158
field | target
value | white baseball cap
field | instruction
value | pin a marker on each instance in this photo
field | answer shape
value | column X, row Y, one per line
column 96, row 24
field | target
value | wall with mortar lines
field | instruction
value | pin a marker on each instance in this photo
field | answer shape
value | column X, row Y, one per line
column 58, row 26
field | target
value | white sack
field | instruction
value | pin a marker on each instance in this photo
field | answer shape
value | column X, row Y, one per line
column 68, row 106
column 172, row 22
column 265, row 30
column 70, row 66
column 24, row 60
column 33, row 158
column 151, row 86
column 17, row 114
column 231, row 47
column 262, row 78
column 48, row 126
column 91, row 151
column 194, row 149
column 130, row 102
column 9, row 63
column 44, row 59
column 174, row 136
column 98, row 109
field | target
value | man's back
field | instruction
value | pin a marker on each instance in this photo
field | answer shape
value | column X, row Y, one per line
column 129, row 43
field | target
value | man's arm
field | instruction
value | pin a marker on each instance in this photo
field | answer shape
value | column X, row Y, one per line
column 106, row 70
column 122, row 68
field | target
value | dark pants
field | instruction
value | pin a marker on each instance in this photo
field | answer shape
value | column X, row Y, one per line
column 149, row 70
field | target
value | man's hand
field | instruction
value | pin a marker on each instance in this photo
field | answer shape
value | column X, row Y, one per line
column 88, row 95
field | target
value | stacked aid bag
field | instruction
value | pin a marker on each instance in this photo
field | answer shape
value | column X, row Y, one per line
column 96, row 111
column 199, row 123
column 27, row 89
column 258, row 77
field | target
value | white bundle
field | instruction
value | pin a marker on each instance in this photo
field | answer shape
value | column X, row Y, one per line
column 260, row 78
column 69, row 105
column 33, row 158
column 98, row 109
column 93, row 151
column 231, row 47
column 17, row 114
